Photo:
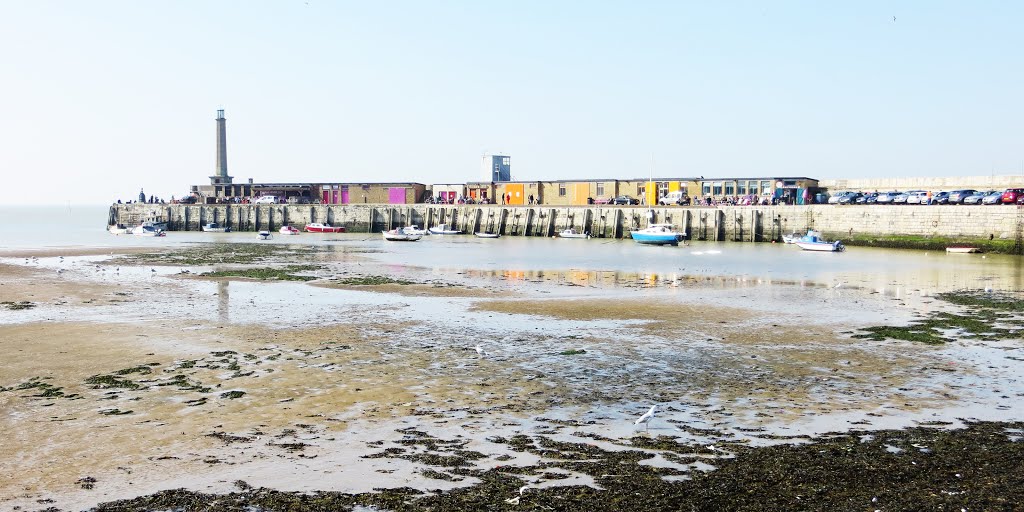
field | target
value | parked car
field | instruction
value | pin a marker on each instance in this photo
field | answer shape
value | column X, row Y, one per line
column 1012, row 195
column 849, row 198
column 941, row 197
column 627, row 200
column 993, row 197
column 958, row 196
column 975, row 198
column 886, row 197
column 265, row 200
column 676, row 197
column 868, row 198
column 838, row 196
column 917, row 197
column 901, row 198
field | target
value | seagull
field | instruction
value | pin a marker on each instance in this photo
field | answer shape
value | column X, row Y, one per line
column 646, row 418
column 480, row 351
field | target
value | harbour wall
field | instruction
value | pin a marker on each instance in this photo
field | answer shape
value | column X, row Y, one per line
column 721, row 223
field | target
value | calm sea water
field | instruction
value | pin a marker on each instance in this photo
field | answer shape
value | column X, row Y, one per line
column 589, row 262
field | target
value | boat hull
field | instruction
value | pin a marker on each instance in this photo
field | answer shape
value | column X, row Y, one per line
column 962, row 250
column 487, row 235
column 646, row 239
column 400, row 237
column 821, row 246
column 310, row 228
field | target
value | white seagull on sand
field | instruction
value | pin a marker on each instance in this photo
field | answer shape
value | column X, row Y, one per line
column 646, row 418
column 480, row 351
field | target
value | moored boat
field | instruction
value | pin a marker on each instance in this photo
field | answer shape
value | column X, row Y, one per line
column 400, row 235
column 147, row 230
column 572, row 233
column 118, row 229
column 790, row 238
column 319, row 227
column 288, row 230
column 413, row 229
column 263, row 235
column 482, row 234
column 656, row 234
column 813, row 241
column 962, row 249
column 444, row 229
column 213, row 227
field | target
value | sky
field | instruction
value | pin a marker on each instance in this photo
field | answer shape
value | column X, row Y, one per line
column 101, row 98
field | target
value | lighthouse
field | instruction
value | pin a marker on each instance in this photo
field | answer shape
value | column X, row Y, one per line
column 220, row 176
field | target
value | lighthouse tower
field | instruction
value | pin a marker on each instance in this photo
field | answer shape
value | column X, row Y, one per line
column 220, row 176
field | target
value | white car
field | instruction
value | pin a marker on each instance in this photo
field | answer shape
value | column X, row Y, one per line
column 265, row 200
column 835, row 199
column 917, row 197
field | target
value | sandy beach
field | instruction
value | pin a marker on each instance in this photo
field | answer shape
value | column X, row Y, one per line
column 131, row 373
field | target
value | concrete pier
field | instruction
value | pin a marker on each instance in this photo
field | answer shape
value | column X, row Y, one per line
column 721, row 223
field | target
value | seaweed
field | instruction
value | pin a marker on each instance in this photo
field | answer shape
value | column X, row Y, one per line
column 372, row 281
column 110, row 381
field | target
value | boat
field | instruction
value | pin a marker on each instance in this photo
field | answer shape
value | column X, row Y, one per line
column 482, row 234
column 413, row 229
column 118, row 229
column 317, row 227
column 213, row 227
column 400, row 235
column 444, row 229
column 790, row 238
column 264, row 235
column 813, row 241
column 288, row 230
column 572, row 233
column 147, row 230
column 962, row 249
column 656, row 234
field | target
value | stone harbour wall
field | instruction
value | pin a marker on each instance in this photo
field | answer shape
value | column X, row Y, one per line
column 725, row 223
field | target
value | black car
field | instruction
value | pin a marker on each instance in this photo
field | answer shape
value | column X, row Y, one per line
column 627, row 200
column 958, row 196
column 941, row 198
column 868, row 198
column 850, row 198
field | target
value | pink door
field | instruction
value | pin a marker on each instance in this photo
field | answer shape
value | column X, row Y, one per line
column 327, row 196
column 344, row 195
column 396, row 195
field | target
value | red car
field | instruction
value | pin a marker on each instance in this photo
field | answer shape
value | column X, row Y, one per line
column 1012, row 195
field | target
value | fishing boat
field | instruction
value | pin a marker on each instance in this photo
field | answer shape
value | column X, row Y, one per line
column 572, row 233
column 482, row 234
column 317, row 227
column 400, row 235
column 444, row 229
column 264, row 235
column 213, row 227
column 962, row 249
column 813, row 241
column 118, row 229
column 288, row 230
column 656, row 234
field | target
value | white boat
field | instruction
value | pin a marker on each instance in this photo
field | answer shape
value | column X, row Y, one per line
column 147, row 230
column 444, row 229
column 400, row 235
column 656, row 234
column 962, row 249
column 213, row 227
column 482, row 234
column 413, row 229
column 264, row 235
column 572, row 233
column 790, row 238
column 813, row 241
column 288, row 230
column 118, row 229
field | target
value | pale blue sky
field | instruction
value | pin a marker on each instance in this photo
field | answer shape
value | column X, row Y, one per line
column 100, row 98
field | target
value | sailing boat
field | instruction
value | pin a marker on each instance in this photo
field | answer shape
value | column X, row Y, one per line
column 655, row 234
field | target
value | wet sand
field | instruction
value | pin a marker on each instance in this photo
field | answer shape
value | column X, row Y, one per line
column 114, row 376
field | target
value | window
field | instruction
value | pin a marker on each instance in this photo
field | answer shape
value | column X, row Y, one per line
column 662, row 188
column 717, row 188
column 600, row 189
column 730, row 188
column 741, row 188
column 705, row 188
column 752, row 187
column 561, row 190
column 505, row 160
column 766, row 188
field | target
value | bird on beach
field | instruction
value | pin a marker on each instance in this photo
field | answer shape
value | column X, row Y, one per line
column 646, row 418
column 480, row 351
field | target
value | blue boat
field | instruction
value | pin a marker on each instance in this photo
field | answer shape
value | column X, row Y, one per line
column 656, row 234
column 813, row 241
